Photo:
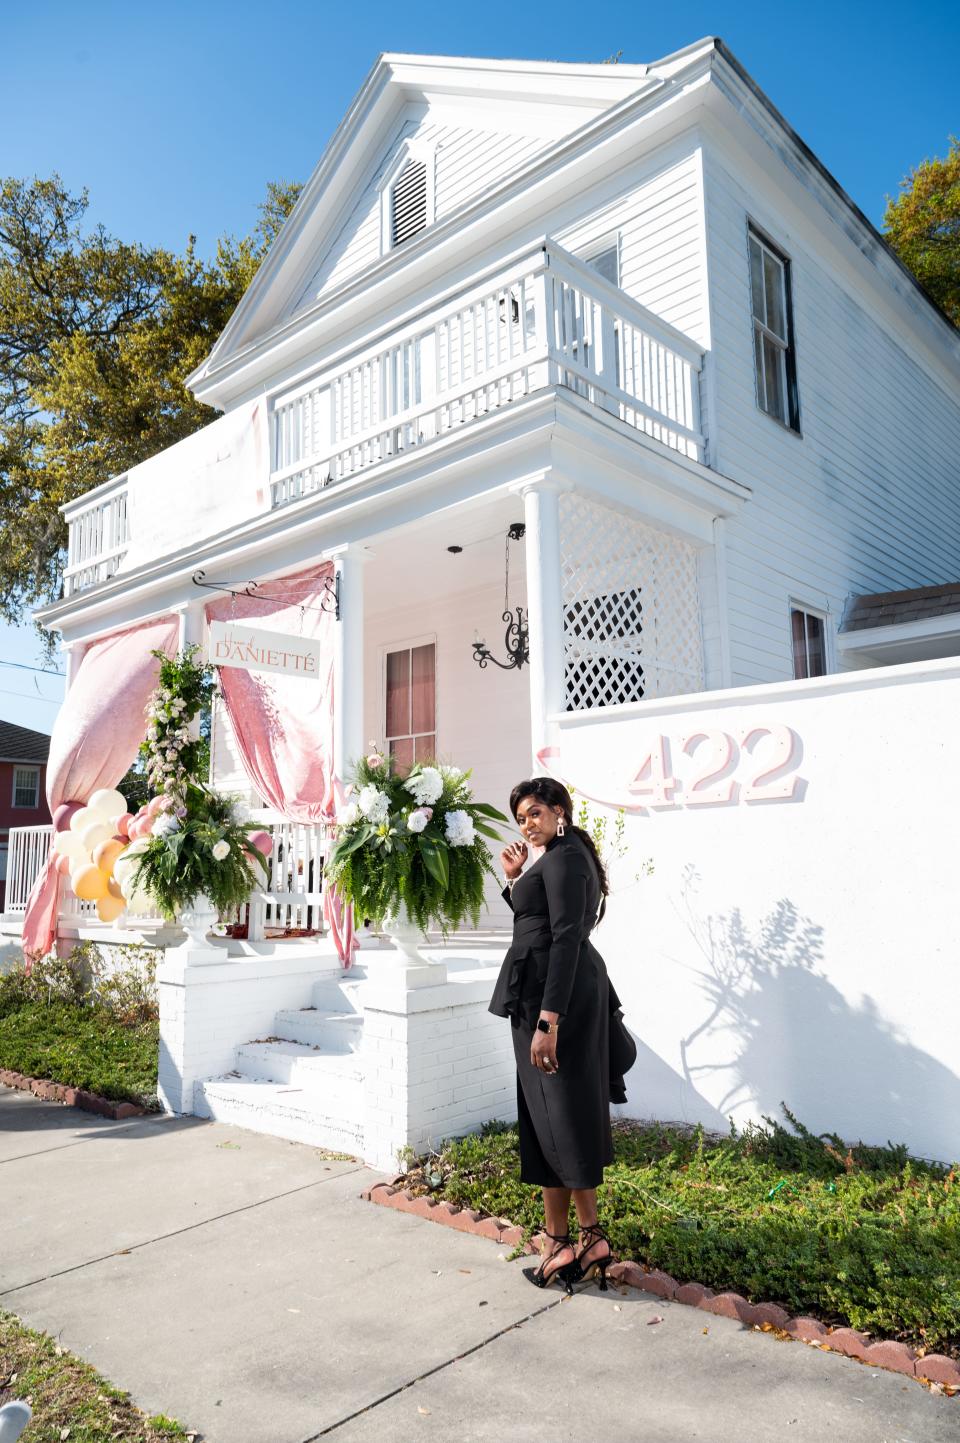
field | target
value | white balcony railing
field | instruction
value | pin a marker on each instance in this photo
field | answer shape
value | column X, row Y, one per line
column 545, row 319
column 98, row 535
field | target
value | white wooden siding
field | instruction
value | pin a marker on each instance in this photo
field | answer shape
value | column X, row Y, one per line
column 468, row 161
column 867, row 498
column 660, row 222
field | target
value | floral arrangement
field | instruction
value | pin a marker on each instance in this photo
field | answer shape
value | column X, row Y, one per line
column 412, row 841
column 188, row 840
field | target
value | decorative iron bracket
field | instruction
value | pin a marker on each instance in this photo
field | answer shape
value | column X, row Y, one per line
column 331, row 592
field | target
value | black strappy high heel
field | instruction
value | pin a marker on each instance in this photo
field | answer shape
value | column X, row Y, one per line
column 565, row 1275
column 589, row 1237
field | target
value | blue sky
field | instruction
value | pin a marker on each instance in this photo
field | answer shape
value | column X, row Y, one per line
column 176, row 114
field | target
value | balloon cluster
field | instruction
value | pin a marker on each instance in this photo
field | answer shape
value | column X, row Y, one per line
column 97, row 847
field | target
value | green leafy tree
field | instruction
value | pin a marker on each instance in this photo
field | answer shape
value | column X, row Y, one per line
column 923, row 226
column 96, row 337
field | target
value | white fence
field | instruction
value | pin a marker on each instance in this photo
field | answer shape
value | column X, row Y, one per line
column 291, row 898
column 545, row 319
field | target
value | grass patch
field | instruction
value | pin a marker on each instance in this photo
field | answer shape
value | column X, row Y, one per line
column 67, row 1394
column 68, row 1021
column 865, row 1236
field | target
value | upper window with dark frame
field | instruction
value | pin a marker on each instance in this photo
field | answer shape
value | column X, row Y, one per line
column 26, row 787
column 773, row 348
column 809, row 644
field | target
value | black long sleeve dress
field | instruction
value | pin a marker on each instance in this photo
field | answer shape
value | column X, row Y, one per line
column 551, row 965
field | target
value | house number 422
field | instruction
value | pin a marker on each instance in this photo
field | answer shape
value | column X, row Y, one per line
column 757, row 765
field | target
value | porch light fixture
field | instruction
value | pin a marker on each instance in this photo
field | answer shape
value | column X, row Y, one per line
column 516, row 637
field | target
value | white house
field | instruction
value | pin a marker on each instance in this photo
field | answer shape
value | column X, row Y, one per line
column 618, row 325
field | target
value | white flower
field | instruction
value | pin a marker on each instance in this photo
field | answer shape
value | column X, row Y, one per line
column 171, row 754
column 451, row 774
column 459, row 829
column 374, row 804
column 417, row 820
column 166, row 824
column 220, row 850
column 425, row 786
column 348, row 814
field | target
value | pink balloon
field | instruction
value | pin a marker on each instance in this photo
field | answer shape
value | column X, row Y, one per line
column 63, row 813
column 262, row 841
column 123, row 822
column 154, row 805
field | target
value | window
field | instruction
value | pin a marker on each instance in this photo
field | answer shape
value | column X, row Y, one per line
column 411, row 709
column 773, row 348
column 809, row 649
column 26, row 786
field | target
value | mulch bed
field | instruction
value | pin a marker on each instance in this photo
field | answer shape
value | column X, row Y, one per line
column 934, row 1369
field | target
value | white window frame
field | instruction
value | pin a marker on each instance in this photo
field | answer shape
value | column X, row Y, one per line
column 430, row 639
column 611, row 242
column 26, row 806
column 822, row 614
column 426, row 153
column 786, row 344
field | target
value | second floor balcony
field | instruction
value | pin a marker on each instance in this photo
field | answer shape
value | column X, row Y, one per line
column 543, row 320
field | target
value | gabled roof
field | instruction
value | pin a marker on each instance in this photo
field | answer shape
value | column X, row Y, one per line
column 20, row 744
column 554, row 100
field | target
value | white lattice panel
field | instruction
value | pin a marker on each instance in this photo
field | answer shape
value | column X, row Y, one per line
column 631, row 608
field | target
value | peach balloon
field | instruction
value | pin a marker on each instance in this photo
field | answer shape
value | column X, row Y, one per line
column 115, row 890
column 107, row 853
column 109, row 908
column 89, row 883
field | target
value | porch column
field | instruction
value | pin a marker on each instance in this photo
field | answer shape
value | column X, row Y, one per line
column 192, row 632
column 348, row 657
column 541, row 514
column 72, row 653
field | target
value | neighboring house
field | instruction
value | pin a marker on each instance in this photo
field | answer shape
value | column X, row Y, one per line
column 23, row 798
column 619, row 323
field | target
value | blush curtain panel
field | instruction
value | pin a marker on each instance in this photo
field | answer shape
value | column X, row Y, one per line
column 284, row 724
column 94, row 741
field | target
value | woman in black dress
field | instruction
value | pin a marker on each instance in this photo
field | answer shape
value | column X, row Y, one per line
column 553, row 986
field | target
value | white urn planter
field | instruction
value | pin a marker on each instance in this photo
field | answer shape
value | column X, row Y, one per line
column 402, row 964
column 198, row 920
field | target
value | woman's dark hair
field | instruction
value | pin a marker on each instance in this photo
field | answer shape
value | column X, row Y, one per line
column 554, row 794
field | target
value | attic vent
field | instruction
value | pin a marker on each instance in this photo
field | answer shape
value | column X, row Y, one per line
column 408, row 202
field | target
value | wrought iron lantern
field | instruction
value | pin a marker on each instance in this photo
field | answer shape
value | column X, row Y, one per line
column 516, row 637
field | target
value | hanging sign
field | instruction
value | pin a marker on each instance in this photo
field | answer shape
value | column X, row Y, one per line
column 233, row 643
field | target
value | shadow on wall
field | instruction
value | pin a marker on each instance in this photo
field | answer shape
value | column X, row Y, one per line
column 793, row 1037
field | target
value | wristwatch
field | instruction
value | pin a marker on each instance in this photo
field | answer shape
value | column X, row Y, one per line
column 544, row 1026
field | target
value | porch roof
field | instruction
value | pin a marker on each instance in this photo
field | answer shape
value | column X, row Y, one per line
column 914, row 624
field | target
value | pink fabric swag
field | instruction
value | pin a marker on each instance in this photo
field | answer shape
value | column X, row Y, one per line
column 284, row 724
column 95, row 739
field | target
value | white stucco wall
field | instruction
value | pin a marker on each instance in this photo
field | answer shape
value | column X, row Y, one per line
column 792, row 950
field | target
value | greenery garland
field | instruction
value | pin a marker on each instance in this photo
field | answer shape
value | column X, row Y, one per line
column 413, row 841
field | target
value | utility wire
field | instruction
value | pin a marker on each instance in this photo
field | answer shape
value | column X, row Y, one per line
column 43, row 670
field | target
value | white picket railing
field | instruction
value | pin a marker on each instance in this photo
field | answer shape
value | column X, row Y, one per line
column 544, row 319
column 98, row 535
column 292, row 894
column 27, row 850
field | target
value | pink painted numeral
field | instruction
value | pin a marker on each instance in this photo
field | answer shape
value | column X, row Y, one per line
column 653, row 783
column 777, row 756
column 718, row 755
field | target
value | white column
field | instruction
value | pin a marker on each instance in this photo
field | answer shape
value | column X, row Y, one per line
column 72, row 652
column 541, row 513
column 348, row 657
column 192, row 632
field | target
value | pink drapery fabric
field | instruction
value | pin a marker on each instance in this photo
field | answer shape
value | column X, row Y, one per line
column 95, row 739
column 284, row 724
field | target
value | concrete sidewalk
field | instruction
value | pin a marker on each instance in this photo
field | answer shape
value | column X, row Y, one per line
column 238, row 1283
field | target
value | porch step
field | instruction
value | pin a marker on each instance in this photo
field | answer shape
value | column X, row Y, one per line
column 331, row 1031
column 330, row 994
column 281, row 1111
column 327, row 1075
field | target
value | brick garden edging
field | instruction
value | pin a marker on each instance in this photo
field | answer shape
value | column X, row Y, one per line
column 70, row 1096
column 894, row 1357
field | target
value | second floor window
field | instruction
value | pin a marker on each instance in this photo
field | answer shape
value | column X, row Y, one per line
column 774, row 358
column 809, row 647
column 26, row 786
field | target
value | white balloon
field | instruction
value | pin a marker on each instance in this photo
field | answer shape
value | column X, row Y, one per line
column 107, row 803
column 68, row 844
column 80, row 819
column 98, row 831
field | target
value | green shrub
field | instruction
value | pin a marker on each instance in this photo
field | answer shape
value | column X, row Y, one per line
column 865, row 1236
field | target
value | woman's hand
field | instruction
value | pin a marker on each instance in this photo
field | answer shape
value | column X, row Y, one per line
column 513, row 857
column 543, row 1052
